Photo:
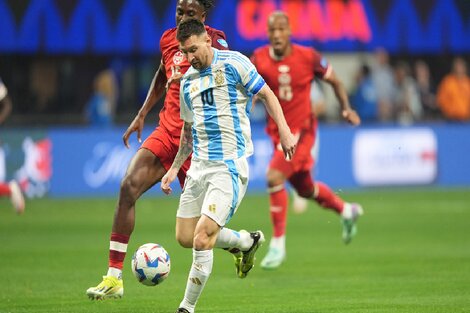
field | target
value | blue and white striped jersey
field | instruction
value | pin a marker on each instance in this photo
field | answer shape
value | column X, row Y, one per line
column 217, row 100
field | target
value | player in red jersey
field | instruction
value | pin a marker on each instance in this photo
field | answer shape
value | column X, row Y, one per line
column 156, row 154
column 289, row 69
column 11, row 189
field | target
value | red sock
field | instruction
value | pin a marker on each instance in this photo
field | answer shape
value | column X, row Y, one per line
column 327, row 198
column 4, row 190
column 117, row 250
column 278, row 200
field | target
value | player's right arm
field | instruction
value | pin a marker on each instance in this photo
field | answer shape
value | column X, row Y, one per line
column 184, row 150
column 156, row 91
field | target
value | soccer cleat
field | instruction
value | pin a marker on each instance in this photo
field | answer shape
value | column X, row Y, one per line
column 109, row 288
column 182, row 310
column 349, row 218
column 273, row 258
column 238, row 258
column 248, row 257
column 16, row 197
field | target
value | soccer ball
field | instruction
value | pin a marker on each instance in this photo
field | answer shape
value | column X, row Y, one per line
column 151, row 264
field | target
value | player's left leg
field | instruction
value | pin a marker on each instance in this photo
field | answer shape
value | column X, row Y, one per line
column 325, row 197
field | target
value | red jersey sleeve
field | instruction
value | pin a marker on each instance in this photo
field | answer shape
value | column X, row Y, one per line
column 219, row 41
column 321, row 67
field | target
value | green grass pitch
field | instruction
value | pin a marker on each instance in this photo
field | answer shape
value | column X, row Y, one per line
column 412, row 254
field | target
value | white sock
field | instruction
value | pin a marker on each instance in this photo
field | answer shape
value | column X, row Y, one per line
column 229, row 238
column 198, row 275
column 115, row 272
column 347, row 210
column 278, row 242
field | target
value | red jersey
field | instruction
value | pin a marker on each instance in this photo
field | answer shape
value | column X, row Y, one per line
column 290, row 78
column 174, row 61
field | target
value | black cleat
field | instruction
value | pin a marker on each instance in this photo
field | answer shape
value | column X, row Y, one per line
column 248, row 259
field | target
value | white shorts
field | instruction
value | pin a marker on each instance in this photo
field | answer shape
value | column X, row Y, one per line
column 214, row 188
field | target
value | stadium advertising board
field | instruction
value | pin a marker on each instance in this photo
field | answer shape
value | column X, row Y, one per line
column 63, row 162
column 135, row 26
column 395, row 157
column 26, row 156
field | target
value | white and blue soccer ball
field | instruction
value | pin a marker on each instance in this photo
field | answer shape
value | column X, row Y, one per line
column 151, row 264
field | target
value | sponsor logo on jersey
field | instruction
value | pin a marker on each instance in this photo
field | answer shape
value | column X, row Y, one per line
column 178, row 58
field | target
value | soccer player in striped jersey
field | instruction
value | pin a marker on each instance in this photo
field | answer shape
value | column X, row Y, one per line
column 289, row 69
column 157, row 152
column 215, row 96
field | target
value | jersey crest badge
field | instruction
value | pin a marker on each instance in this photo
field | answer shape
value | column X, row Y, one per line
column 284, row 68
column 178, row 58
column 219, row 78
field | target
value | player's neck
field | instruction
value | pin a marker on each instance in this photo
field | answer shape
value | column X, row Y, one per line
column 285, row 53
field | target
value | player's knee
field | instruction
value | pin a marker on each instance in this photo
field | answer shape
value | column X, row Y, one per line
column 184, row 241
column 274, row 178
column 305, row 192
column 130, row 187
column 201, row 241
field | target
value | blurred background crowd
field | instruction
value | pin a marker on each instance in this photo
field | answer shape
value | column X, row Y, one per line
column 387, row 84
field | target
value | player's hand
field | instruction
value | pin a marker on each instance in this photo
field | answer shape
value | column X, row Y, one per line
column 288, row 144
column 351, row 117
column 169, row 177
column 136, row 126
column 175, row 78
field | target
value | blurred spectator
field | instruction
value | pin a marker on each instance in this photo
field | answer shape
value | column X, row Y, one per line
column 408, row 108
column 453, row 95
column 11, row 189
column 364, row 98
column 426, row 90
column 382, row 76
column 101, row 107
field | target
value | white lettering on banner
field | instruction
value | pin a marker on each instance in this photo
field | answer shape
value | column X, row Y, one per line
column 395, row 157
column 107, row 164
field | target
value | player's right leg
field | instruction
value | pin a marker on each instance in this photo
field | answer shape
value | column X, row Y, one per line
column 13, row 191
column 145, row 169
column 278, row 198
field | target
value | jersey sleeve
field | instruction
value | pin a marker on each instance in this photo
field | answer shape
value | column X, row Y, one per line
column 3, row 90
column 321, row 66
column 251, row 80
column 219, row 40
column 186, row 112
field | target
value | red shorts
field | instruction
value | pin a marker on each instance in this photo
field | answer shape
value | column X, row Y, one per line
column 165, row 147
column 302, row 161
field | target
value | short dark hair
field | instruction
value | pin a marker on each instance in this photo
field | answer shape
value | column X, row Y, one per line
column 189, row 28
column 207, row 4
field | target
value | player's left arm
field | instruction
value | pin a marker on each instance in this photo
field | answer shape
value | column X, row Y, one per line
column 347, row 112
column 184, row 150
column 288, row 141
